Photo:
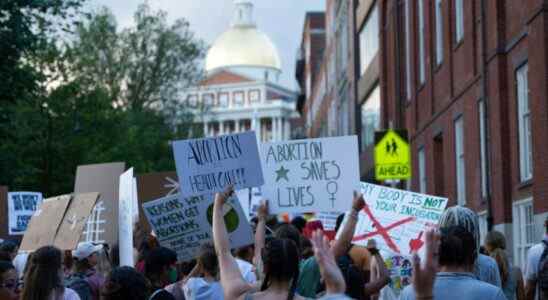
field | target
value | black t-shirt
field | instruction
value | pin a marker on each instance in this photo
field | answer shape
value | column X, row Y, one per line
column 161, row 294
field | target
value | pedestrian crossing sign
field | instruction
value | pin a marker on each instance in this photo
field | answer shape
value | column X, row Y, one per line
column 392, row 155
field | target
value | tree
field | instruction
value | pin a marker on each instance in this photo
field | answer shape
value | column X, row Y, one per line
column 104, row 95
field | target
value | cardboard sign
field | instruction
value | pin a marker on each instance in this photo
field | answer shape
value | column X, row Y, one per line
column 310, row 175
column 74, row 220
column 152, row 186
column 392, row 155
column 183, row 224
column 128, row 198
column 396, row 219
column 103, row 179
column 208, row 165
column 44, row 223
column 21, row 207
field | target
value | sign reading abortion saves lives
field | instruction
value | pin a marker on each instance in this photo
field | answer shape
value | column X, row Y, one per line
column 183, row 224
column 208, row 165
column 310, row 175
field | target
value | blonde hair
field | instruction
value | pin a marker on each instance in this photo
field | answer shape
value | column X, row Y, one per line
column 462, row 216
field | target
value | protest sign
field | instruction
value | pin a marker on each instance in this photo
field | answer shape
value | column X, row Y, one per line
column 396, row 219
column 183, row 224
column 127, row 199
column 400, row 268
column 21, row 207
column 103, row 179
column 45, row 222
column 310, row 175
column 152, row 186
column 208, row 165
column 75, row 219
column 328, row 219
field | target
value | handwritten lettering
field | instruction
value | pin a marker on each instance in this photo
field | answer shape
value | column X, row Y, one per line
column 295, row 151
column 207, row 151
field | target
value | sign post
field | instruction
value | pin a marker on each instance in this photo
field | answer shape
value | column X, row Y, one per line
column 392, row 155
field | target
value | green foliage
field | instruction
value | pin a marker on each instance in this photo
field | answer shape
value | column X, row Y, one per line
column 106, row 95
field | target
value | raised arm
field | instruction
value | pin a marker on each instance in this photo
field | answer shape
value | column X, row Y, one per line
column 334, row 280
column 424, row 274
column 380, row 276
column 345, row 238
column 233, row 283
column 262, row 214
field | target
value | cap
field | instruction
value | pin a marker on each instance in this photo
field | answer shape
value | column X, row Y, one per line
column 85, row 249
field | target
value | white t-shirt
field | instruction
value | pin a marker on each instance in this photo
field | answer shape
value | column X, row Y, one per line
column 196, row 288
column 533, row 260
column 247, row 270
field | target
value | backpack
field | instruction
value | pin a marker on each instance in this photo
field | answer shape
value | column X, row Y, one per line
column 543, row 270
column 354, row 277
column 78, row 282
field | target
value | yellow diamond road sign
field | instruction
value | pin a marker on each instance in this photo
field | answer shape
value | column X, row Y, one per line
column 392, row 155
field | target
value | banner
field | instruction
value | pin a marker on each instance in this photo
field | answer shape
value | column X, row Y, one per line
column 126, row 216
column 21, row 207
column 183, row 224
column 396, row 219
column 44, row 223
column 310, row 175
column 208, row 165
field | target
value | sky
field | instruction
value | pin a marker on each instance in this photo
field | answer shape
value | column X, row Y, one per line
column 281, row 20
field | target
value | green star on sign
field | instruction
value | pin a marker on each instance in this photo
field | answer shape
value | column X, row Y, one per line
column 282, row 174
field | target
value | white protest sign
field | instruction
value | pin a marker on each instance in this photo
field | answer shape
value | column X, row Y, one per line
column 396, row 219
column 21, row 207
column 328, row 219
column 310, row 175
column 208, row 165
column 126, row 212
column 183, row 224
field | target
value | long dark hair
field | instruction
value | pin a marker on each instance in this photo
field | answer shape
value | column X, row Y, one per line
column 496, row 245
column 281, row 263
column 43, row 276
column 125, row 283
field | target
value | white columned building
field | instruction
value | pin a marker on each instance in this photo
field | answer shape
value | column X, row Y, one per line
column 241, row 90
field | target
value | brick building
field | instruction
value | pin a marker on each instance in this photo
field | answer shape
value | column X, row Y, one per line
column 469, row 80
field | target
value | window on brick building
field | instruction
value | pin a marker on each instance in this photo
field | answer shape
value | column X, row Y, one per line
column 370, row 117
column 439, row 32
column 459, row 20
column 369, row 39
column 422, row 171
column 439, row 166
column 483, row 146
column 524, row 124
column 408, row 47
column 460, row 162
column 342, row 37
column 524, row 230
column 421, row 43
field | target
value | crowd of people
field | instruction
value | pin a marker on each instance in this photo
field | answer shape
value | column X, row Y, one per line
column 287, row 261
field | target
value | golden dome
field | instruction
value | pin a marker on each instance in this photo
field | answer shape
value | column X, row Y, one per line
column 243, row 45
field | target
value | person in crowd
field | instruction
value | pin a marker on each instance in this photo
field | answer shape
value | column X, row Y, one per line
column 114, row 255
column 361, row 257
column 379, row 275
column 9, row 284
column 512, row 280
column 68, row 263
column 43, row 279
column 485, row 267
column 280, row 259
column 160, row 270
column 8, row 250
column 20, row 263
column 299, row 223
column 176, row 289
column 125, row 283
column 536, row 272
column 86, row 256
column 147, row 245
column 455, row 280
column 244, row 258
column 307, row 250
column 203, row 280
